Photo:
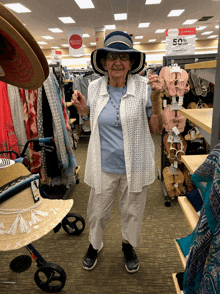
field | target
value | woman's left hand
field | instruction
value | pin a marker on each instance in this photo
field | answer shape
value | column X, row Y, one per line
column 157, row 83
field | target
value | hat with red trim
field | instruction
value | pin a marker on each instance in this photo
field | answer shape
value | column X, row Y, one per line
column 22, row 62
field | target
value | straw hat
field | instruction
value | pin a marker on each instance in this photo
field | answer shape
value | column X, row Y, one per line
column 22, row 62
column 118, row 42
column 24, row 215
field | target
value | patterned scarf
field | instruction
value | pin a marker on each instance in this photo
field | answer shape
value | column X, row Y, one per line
column 202, row 273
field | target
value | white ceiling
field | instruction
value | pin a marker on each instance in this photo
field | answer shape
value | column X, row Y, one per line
column 44, row 15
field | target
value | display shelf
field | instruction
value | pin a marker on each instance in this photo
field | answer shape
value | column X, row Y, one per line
column 181, row 255
column 178, row 291
column 189, row 211
column 202, row 65
column 200, row 117
column 192, row 162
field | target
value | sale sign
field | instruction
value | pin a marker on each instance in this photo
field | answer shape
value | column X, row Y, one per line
column 180, row 41
column 75, row 42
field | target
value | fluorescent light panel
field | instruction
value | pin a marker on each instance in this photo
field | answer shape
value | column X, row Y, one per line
column 56, row 30
column 152, row 40
column 190, row 21
column 47, row 37
column 110, row 27
column 66, row 19
column 148, row 2
column 136, row 43
column 207, row 33
column 201, row 28
column 94, row 43
column 86, row 35
column 120, row 16
column 139, row 37
column 217, row 26
column 65, row 45
column 176, row 12
column 85, row 4
column 160, row 31
column 55, row 47
column 17, row 7
column 42, row 43
column 144, row 25
column 213, row 37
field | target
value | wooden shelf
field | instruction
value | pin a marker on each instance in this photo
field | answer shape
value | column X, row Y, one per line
column 201, row 65
column 189, row 211
column 178, row 291
column 201, row 117
column 182, row 257
column 192, row 162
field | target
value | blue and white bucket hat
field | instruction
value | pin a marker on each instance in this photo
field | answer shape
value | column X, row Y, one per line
column 118, row 42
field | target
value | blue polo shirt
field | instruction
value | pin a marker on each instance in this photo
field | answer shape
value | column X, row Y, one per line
column 111, row 136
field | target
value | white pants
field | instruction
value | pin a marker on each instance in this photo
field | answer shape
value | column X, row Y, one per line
column 100, row 206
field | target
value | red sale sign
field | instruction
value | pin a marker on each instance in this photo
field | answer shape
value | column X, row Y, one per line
column 76, row 42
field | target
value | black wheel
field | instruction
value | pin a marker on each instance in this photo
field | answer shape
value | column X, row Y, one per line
column 20, row 263
column 73, row 224
column 50, row 278
column 167, row 203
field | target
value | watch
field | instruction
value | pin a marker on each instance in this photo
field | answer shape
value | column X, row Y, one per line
column 85, row 118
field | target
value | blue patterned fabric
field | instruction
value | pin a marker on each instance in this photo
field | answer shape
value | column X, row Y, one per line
column 202, row 273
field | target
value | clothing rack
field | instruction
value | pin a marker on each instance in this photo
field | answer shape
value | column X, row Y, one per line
column 181, row 61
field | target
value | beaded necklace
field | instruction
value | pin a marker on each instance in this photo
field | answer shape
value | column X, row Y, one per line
column 117, row 108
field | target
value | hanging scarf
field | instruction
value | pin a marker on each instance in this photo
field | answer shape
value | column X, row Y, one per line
column 202, row 273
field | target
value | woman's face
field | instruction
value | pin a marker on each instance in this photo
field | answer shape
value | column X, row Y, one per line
column 117, row 64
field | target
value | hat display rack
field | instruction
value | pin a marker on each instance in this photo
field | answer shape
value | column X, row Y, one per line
column 174, row 142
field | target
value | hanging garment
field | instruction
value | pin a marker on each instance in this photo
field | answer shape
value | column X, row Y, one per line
column 202, row 274
column 8, row 138
column 17, row 115
column 61, row 137
column 30, row 118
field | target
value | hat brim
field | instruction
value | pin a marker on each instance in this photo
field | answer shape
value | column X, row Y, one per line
column 19, row 240
column 138, row 65
column 10, row 17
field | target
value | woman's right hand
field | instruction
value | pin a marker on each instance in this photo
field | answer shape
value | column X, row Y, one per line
column 79, row 101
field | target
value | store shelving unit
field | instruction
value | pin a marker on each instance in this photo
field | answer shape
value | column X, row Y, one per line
column 208, row 123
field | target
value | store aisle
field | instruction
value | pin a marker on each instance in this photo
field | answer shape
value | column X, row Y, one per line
column 157, row 255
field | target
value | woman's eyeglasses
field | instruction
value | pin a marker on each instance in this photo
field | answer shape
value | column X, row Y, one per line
column 114, row 56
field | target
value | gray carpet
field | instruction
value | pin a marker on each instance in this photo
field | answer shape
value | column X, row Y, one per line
column 158, row 255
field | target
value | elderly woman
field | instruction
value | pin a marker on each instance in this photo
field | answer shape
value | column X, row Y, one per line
column 120, row 113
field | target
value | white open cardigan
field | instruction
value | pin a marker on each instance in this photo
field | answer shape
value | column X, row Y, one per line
column 139, row 149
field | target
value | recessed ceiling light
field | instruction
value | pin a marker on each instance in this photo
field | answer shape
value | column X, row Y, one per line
column 84, row 4
column 207, row 33
column 86, row 35
column 212, row 36
column 136, row 43
column 152, row 40
column 47, row 37
column 55, row 47
column 55, row 30
column 190, row 21
column 17, row 7
column 175, row 12
column 42, row 43
column 120, row 16
column 93, row 43
column 144, row 25
column 152, row 2
column 163, row 41
column 84, row 45
column 65, row 45
column 139, row 37
column 66, row 19
column 110, row 27
column 201, row 28
column 160, row 31
column 217, row 26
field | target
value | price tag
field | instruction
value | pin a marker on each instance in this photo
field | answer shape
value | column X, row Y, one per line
column 176, row 131
column 175, row 165
column 35, row 190
column 175, row 186
column 164, row 103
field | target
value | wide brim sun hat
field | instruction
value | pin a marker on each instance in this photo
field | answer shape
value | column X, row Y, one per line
column 22, row 62
column 24, row 215
column 118, row 42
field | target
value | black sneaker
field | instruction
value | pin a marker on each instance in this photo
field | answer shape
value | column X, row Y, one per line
column 90, row 259
column 131, row 260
